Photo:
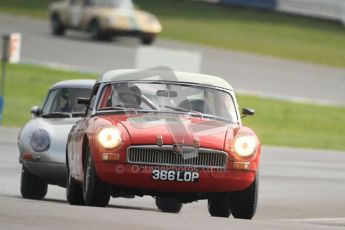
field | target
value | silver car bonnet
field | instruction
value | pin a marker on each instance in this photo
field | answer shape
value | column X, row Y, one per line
column 57, row 128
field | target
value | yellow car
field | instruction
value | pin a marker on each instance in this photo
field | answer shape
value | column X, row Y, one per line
column 103, row 19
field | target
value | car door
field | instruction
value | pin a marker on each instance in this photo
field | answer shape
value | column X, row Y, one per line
column 75, row 13
column 81, row 131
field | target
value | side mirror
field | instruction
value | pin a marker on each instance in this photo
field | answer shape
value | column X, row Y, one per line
column 35, row 111
column 247, row 112
column 83, row 101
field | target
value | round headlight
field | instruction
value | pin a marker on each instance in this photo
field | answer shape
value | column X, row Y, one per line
column 245, row 145
column 109, row 137
column 40, row 140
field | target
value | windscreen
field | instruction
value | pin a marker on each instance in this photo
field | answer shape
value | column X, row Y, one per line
column 65, row 100
column 169, row 97
column 114, row 3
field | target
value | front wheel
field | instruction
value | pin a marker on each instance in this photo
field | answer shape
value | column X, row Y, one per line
column 74, row 192
column 57, row 28
column 243, row 203
column 147, row 39
column 170, row 205
column 219, row 206
column 32, row 187
column 95, row 192
column 95, row 31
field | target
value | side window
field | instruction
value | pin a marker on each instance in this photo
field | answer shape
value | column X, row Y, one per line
column 105, row 99
column 92, row 100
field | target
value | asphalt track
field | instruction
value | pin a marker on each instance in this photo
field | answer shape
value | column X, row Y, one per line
column 299, row 189
column 248, row 73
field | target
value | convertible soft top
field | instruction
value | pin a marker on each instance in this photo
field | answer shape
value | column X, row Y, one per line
column 163, row 74
column 82, row 83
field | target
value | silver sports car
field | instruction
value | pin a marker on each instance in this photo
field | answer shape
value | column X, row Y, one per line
column 42, row 141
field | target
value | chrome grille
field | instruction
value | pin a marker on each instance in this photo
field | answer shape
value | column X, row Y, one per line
column 154, row 155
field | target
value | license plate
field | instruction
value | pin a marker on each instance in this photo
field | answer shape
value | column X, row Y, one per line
column 179, row 176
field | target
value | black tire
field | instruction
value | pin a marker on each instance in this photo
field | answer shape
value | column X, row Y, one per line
column 167, row 204
column 147, row 39
column 57, row 28
column 95, row 31
column 243, row 204
column 74, row 192
column 95, row 192
column 219, row 206
column 32, row 187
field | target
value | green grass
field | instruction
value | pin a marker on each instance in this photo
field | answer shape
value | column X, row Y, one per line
column 27, row 86
column 277, row 122
column 285, row 123
column 236, row 28
column 36, row 8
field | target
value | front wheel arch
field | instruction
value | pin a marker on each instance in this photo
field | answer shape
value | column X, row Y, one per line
column 85, row 147
column 58, row 27
column 66, row 156
column 91, row 24
column 243, row 203
column 54, row 14
column 95, row 191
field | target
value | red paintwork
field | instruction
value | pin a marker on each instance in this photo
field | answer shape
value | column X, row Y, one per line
column 219, row 136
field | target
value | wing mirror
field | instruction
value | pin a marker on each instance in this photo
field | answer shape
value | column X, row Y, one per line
column 247, row 112
column 36, row 111
column 83, row 101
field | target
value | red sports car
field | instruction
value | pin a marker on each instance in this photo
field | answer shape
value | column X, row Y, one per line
column 175, row 136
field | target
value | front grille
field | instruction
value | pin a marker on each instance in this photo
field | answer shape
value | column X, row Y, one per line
column 154, row 155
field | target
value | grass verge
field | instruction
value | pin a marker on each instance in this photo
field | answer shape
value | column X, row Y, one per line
column 276, row 122
column 27, row 86
column 236, row 28
column 283, row 123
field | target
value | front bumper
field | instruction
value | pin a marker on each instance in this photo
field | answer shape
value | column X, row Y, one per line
column 51, row 173
column 140, row 177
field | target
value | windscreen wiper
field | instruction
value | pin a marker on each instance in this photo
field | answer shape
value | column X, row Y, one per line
column 57, row 114
column 111, row 108
column 117, row 109
column 180, row 109
column 202, row 115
